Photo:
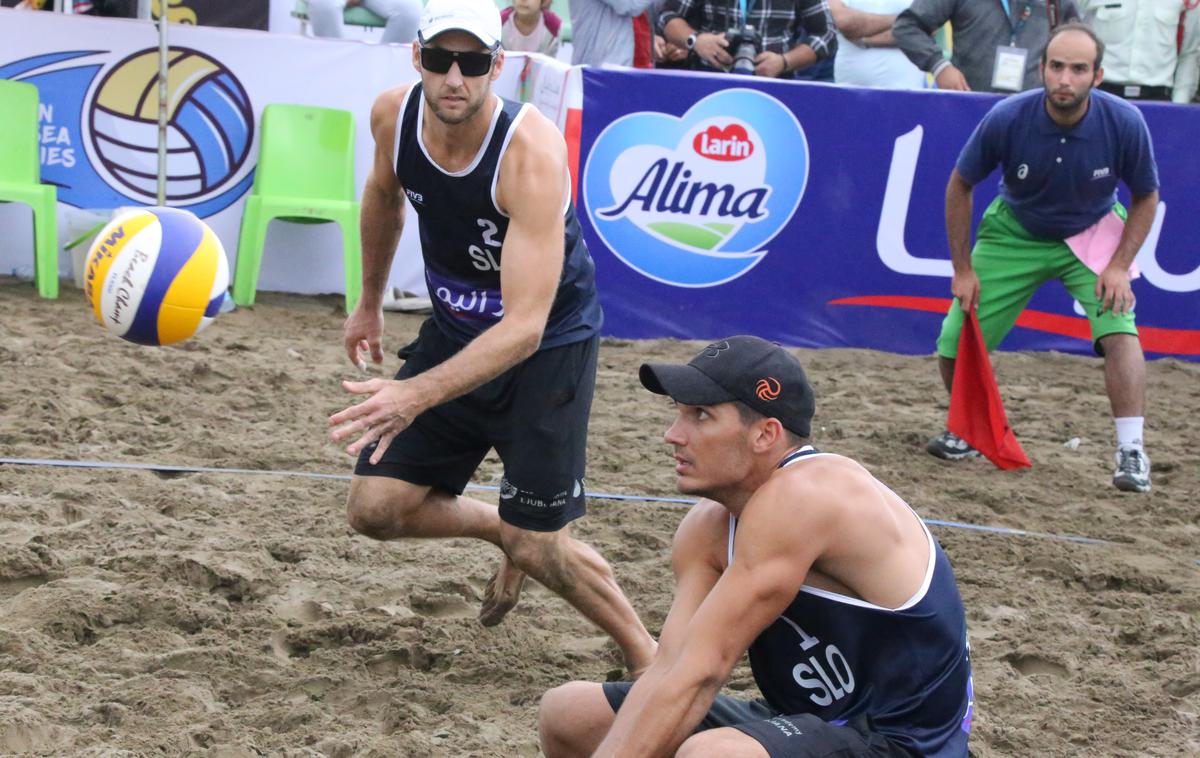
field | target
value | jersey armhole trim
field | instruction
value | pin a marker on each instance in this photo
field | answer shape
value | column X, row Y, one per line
column 808, row 452
column 399, row 122
column 512, row 130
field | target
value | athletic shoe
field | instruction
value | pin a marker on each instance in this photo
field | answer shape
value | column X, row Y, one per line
column 950, row 447
column 1133, row 470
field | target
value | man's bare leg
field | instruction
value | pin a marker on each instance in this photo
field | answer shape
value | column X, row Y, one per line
column 388, row 509
column 502, row 592
column 573, row 719
column 1124, row 374
column 579, row 575
column 946, row 369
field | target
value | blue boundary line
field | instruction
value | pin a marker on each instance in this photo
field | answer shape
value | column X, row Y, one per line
column 155, row 467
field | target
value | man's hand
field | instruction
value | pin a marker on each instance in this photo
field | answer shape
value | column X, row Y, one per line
column 770, row 64
column 668, row 51
column 389, row 410
column 952, row 79
column 1114, row 291
column 712, row 50
column 363, row 332
column 965, row 286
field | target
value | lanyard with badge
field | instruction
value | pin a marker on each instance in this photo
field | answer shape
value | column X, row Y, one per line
column 746, row 10
column 1008, row 70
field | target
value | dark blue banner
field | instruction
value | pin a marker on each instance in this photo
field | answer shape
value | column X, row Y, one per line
column 813, row 215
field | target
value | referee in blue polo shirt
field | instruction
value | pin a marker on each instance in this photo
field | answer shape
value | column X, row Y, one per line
column 1062, row 151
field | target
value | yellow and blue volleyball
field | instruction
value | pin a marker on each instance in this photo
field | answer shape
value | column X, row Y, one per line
column 156, row 276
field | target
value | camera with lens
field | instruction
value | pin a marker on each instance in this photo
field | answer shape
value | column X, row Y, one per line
column 745, row 44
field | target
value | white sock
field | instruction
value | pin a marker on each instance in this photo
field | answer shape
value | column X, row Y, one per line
column 1129, row 431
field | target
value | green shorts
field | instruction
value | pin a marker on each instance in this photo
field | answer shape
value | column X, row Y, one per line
column 1012, row 264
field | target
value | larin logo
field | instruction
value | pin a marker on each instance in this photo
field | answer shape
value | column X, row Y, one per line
column 728, row 144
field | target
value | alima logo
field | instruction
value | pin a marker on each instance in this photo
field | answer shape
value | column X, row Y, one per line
column 728, row 144
column 692, row 200
column 768, row 389
column 713, row 350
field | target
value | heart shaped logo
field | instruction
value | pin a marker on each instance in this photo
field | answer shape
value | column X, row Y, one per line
column 729, row 144
column 691, row 201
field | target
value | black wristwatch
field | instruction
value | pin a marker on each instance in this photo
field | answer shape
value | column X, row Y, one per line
column 691, row 41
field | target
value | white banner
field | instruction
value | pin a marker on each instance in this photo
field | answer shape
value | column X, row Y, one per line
column 97, row 83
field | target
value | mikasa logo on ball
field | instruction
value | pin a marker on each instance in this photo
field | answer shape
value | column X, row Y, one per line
column 156, row 276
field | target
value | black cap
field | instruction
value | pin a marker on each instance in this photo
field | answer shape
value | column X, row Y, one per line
column 754, row 371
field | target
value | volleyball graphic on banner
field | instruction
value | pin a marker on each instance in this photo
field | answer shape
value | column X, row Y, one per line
column 210, row 125
column 156, row 276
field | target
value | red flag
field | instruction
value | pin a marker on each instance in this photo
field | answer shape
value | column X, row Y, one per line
column 976, row 411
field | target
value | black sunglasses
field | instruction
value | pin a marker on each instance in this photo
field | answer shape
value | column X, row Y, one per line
column 439, row 60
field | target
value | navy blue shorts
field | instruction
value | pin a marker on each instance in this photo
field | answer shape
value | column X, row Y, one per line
column 797, row 736
column 535, row 415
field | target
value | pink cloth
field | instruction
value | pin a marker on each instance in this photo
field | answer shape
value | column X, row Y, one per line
column 1096, row 244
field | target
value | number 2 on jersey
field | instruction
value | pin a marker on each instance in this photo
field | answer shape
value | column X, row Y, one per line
column 482, row 258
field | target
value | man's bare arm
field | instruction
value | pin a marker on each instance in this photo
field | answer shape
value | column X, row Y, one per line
column 381, row 221
column 382, row 218
column 856, row 24
column 1113, row 285
column 965, row 283
column 882, row 39
column 532, row 188
column 774, row 548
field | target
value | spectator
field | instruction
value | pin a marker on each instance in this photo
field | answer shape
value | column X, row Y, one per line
column 1011, row 31
column 667, row 54
column 402, row 17
column 529, row 26
column 1061, row 152
column 821, row 71
column 602, row 31
column 1141, row 59
column 867, row 55
column 702, row 25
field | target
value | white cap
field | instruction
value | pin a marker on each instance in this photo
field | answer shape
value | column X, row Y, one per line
column 479, row 18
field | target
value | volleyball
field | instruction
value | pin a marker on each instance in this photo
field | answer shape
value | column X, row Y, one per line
column 156, row 276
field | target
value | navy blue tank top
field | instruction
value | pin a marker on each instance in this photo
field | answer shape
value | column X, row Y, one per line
column 462, row 231
column 908, row 668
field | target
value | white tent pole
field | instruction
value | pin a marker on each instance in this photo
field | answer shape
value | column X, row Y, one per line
column 162, row 105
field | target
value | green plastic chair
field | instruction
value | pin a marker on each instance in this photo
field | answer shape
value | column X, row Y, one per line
column 305, row 173
column 355, row 16
column 20, row 178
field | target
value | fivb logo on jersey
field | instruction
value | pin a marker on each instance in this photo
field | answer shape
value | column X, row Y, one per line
column 693, row 201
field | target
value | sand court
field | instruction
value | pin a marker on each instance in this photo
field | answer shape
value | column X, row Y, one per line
column 236, row 614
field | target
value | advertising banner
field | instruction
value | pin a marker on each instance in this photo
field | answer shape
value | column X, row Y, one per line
column 246, row 14
column 97, row 83
column 813, row 215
